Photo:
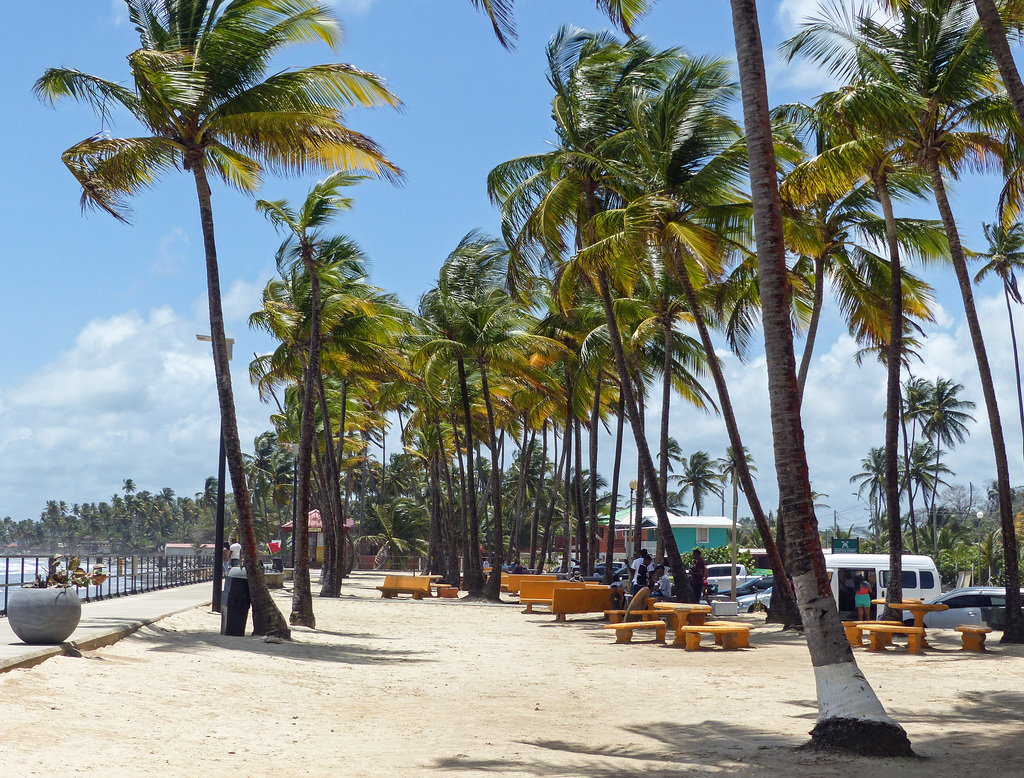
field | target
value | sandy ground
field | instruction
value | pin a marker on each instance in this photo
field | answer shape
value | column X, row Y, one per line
column 441, row 687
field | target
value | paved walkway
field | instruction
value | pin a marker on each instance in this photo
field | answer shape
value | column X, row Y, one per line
column 104, row 623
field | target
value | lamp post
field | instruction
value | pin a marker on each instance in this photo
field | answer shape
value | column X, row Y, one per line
column 218, row 543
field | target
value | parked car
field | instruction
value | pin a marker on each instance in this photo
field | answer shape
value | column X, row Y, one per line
column 720, row 575
column 619, row 571
column 751, row 603
column 977, row 606
column 750, row 587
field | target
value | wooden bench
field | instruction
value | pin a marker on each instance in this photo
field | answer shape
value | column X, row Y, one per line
column 855, row 634
column 589, row 599
column 727, row 635
column 540, row 592
column 416, row 585
column 615, row 617
column 742, row 639
column 510, row 582
column 973, row 638
column 624, row 630
column 880, row 636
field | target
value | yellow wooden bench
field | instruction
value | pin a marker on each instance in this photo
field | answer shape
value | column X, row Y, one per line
column 742, row 638
column 624, row 630
column 540, row 592
column 510, row 581
column 973, row 638
column 727, row 635
column 855, row 634
column 416, row 585
column 880, row 636
column 589, row 599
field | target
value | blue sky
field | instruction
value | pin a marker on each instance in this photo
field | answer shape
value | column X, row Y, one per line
column 102, row 376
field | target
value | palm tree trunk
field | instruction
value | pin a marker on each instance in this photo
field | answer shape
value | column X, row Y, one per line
column 850, row 717
column 492, row 591
column 812, row 329
column 783, row 609
column 474, row 581
column 525, row 455
column 666, row 402
column 582, row 541
column 643, row 450
column 893, row 397
column 1016, row 356
column 539, row 496
column 266, row 617
column 995, row 36
column 1014, row 629
column 609, row 558
column 567, row 509
column 906, row 469
column 594, row 429
column 552, row 500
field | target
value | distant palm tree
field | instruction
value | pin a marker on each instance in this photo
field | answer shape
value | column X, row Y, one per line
column 701, row 478
column 1006, row 254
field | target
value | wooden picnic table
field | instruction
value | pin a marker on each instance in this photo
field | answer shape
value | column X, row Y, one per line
column 917, row 608
column 684, row 613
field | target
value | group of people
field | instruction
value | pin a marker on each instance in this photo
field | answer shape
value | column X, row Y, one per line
column 231, row 555
column 657, row 579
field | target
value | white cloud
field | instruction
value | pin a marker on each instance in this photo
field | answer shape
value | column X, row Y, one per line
column 171, row 253
column 134, row 397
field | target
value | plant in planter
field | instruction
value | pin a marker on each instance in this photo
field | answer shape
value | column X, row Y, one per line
column 47, row 610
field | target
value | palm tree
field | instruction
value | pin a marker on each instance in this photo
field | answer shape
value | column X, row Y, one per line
column 403, row 526
column 872, row 478
column 1006, row 255
column 701, row 478
column 944, row 419
column 948, row 114
column 835, row 668
column 200, row 91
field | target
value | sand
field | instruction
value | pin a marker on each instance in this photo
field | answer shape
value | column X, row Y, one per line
column 442, row 687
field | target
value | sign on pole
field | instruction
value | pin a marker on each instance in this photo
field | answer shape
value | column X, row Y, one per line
column 845, row 545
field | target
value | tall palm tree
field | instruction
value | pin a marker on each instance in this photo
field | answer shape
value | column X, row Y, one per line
column 200, row 91
column 854, row 722
column 1005, row 256
column 949, row 114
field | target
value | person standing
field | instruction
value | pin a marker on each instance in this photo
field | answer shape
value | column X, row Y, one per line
column 236, row 553
column 225, row 557
column 698, row 574
column 639, row 566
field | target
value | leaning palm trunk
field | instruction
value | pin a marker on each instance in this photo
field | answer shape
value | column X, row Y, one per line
column 610, row 554
column 850, row 716
column 643, row 450
column 1014, row 629
column 474, row 580
column 812, row 329
column 545, row 542
column 783, row 608
column 1016, row 356
column 893, row 398
column 266, row 617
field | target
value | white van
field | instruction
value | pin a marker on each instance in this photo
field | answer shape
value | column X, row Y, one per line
column 920, row 578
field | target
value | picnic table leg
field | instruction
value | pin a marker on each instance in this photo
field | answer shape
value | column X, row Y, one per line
column 728, row 640
column 973, row 641
column 743, row 638
column 659, row 633
column 623, row 635
column 696, row 619
column 855, row 636
column 876, row 641
column 692, row 641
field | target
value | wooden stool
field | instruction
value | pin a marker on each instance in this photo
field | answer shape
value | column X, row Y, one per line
column 973, row 637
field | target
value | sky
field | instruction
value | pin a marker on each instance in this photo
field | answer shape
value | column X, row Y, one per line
column 103, row 379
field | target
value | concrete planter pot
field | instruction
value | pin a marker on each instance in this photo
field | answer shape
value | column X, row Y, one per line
column 43, row 616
